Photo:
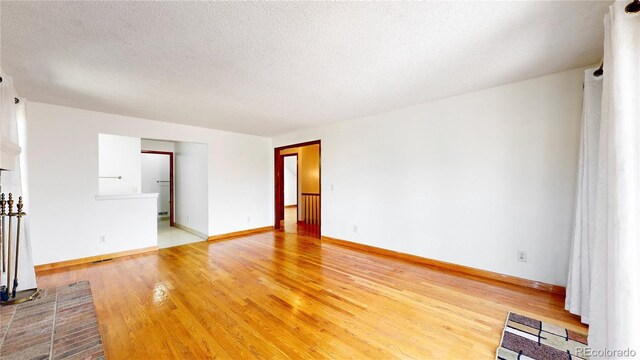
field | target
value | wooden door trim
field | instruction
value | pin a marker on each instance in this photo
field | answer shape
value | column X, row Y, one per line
column 276, row 155
column 172, row 219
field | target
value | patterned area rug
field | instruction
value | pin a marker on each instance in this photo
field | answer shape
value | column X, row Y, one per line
column 61, row 324
column 526, row 338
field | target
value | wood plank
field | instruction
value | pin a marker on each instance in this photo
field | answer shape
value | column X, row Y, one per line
column 90, row 259
column 555, row 289
column 239, row 233
column 279, row 294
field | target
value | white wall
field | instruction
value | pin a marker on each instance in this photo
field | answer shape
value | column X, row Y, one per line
column 155, row 167
column 118, row 156
column 63, row 166
column 469, row 179
column 290, row 180
column 125, row 223
column 157, row 145
column 191, row 186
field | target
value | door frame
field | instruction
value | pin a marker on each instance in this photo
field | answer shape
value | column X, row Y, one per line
column 278, row 169
column 172, row 218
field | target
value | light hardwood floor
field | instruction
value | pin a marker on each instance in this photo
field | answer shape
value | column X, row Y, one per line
column 283, row 295
column 291, row 224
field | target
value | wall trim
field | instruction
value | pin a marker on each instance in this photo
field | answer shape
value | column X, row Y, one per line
column 555, row 289
column 90, row 259
column 191, row 231
column 234, row 234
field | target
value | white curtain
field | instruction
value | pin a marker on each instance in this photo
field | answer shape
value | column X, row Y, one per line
column 578, row 286
column 615, row 277
column 604, row 280
column 13, row 121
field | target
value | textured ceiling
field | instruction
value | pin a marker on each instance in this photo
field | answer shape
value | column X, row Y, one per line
column 270, row 68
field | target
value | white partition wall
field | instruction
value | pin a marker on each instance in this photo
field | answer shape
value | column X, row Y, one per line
column 191, row 186
column 63, row 165
column 119, row 164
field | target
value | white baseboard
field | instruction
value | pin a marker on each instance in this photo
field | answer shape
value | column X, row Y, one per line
column 191, row 231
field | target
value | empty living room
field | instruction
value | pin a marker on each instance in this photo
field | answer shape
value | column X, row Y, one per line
column 320, row 180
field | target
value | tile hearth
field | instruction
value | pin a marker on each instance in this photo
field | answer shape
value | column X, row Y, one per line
column 61, row 324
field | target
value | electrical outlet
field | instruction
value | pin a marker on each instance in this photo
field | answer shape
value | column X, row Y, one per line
column 522, row 256
column 331, row 187
column 102, row 239
column 355, row 228
column 135, row 189
column 248, row 218
column 187, row 219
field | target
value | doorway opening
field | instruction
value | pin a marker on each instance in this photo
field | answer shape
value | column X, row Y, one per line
column 177, row 172
column 291, row 184
column 157, row 177
column 297, row 188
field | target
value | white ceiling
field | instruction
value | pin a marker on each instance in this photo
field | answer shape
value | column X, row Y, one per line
column 270, row 68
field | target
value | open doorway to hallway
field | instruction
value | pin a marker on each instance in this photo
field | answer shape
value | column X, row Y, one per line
column 157, row 177
column 177, row 172
column 297, row 189
column 290, row 173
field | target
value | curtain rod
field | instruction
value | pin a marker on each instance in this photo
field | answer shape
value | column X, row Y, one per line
column 599, row 71
column 631, row 8
column 15, row 100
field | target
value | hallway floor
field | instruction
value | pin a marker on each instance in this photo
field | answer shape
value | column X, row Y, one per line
column 169, row 236
column 291, row 224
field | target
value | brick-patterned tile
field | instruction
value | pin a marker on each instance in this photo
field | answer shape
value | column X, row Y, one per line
column 27, row 330
column 6, row 314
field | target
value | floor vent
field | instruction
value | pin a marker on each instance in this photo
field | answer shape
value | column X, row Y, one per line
column 103, row 260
